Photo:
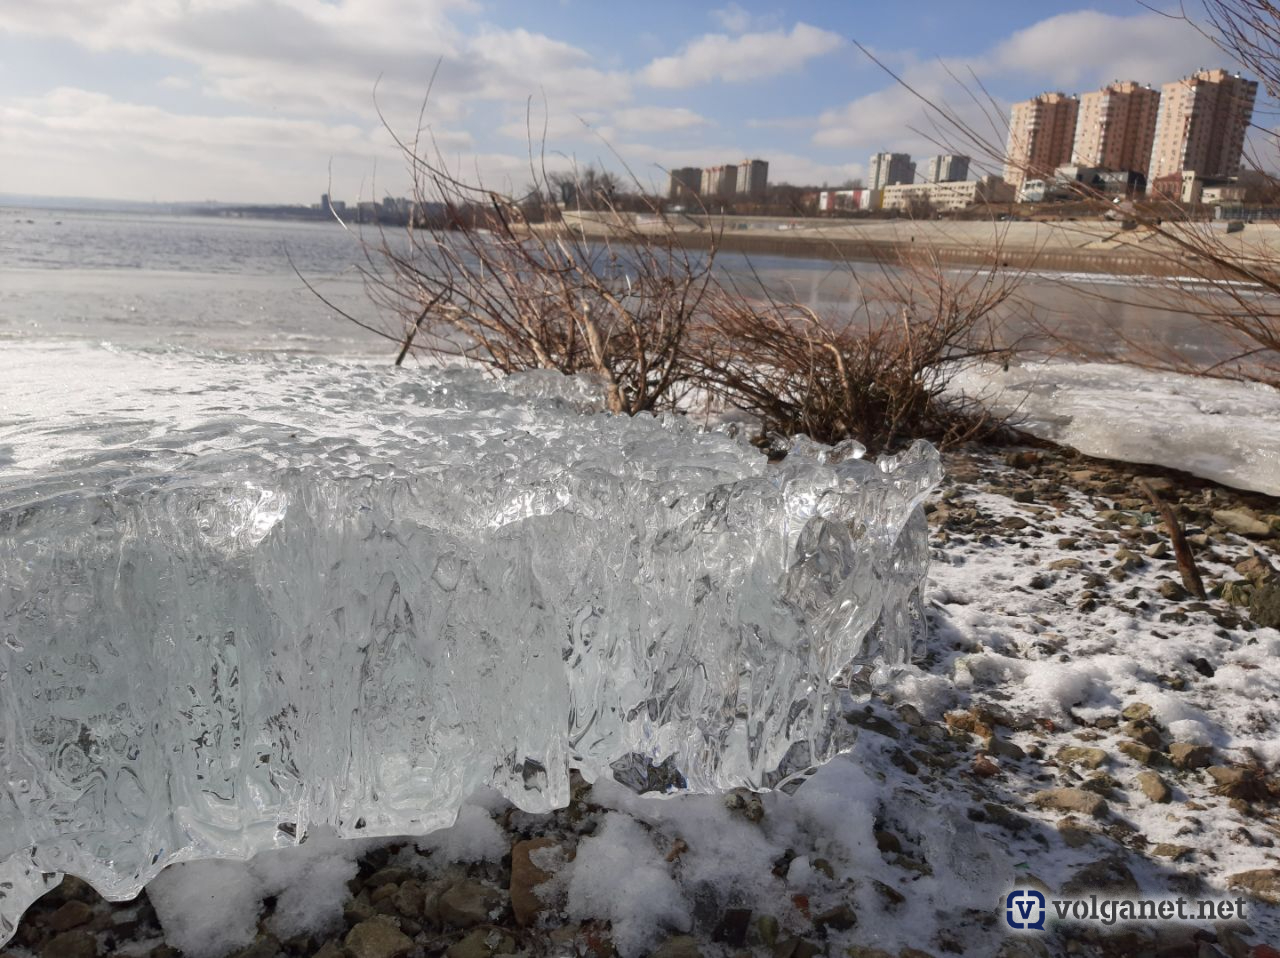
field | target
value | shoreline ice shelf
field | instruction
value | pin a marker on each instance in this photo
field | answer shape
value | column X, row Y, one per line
column 241, row 597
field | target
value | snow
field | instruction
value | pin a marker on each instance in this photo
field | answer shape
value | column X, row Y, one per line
column 1221, row 430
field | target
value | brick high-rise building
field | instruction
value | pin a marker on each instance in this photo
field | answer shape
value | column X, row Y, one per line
column 721, row 181
column 888, row 169
column 1041, row 133
column 1116, row 127
column 1202, row 123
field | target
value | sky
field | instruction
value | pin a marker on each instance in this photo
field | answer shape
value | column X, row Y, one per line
column 265, row 101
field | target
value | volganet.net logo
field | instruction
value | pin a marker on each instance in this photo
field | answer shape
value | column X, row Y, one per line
column 1026, row 909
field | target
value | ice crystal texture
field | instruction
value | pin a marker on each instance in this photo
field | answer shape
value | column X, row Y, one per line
column 250, row 594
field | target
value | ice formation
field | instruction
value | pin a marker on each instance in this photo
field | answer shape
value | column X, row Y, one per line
column 246, row 597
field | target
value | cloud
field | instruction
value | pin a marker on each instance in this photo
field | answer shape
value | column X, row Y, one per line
column 751, row 56
column 658, row 119
column 735, row 19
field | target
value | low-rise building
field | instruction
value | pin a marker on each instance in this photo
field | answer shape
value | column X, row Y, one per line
column 834, row 201
column 945, row 197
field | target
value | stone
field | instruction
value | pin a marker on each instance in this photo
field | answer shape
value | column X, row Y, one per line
column 71, row 944
column 679, row 946
column 525, row 879
column 1172, row 591
column 1158, row 550
column 1261, row 883
column 468, row 903
column 1186, row 756
column 1014, row 523
column 1140, row 753
column 1082, row 756
column 1059, row 565
column 1154, row 787
column 264, row 947
column 1264, row 605
column 482, row 943
column 330, row 949
column 1071, row 800
column 1171, row 851
column 1227, row 774
column 1256, row 569
column 70, row 914
column 1136, row 712
column 377, row 938
column 1142, row 731
column 841, row 918
column 1242, row 522
column 733, row 927
column 1111, row 875
column 1128, row 560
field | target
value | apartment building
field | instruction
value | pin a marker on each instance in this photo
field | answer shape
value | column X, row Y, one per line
column 1201, row 125
column 888, row 169
column 685, row 183
column 1116, row 127
column 719, row 181
column 948, row 168
column 1041, row 134
column 945, row 197
column 753, row 178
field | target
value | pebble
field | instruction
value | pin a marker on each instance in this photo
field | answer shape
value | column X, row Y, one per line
column 468, row 903
column 377, row 938
column 525, row 879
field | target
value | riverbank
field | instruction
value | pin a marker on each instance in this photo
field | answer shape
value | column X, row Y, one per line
column 1075, row 722
column 1100, row 247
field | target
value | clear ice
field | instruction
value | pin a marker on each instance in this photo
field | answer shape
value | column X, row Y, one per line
column 244, row 597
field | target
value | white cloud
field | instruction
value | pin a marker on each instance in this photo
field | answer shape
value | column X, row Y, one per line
column 658, row 119
column 735, row 19
column 751, row 56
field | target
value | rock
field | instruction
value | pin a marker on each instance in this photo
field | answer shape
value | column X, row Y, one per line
column 377, row 938
column 1227, row 774
column 1014, row 523
column 71, row 944
column 841, row 918
column 888, row 843
column 1140, row 753
column 1154, row 787
column 1059, row 565
column 1187, row 756
column 733, row 926
column 482, row 943
column 1172, row 591
column 1256, row 569
column 1079, row 755
column 1264, row 605
column 525, row 879
column 1142, row 731
column 1242, row 522
column 1172, row 852
column 1111, row 875
column 264, row 947
column 680, row 946
column 330, row 949
column 1128, row 560
column 1136, row 712
column 1069, row 542
column 70, row 914
column 1261, row 883
column 1237, row 593
column 1071, row 800
column 1158, row 550
column 1004, row 749
column 468, row 903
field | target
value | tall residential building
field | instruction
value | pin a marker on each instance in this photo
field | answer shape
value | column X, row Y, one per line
column 686, row 183
column 889, row 169
column 1116, row 127
column 1202, row 123
column 753, row 177
column 948, row 168
column 1041, row 132
column 719, row 181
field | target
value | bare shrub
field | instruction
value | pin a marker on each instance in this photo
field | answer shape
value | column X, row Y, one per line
column 878, row 374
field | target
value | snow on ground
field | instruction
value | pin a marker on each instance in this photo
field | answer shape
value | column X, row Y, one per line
column 1225, row 431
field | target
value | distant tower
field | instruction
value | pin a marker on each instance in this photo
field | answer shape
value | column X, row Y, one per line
column 890, row 169
column 1202, row 124
column 948, row 168
column 326, row 207
column 1116, row 127
column 1041, row 133
column 685, row 183
column 753, row 178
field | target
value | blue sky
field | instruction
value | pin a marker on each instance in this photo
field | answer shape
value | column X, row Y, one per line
column 273, row 100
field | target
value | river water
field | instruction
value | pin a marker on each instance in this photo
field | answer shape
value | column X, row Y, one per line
column 238, row 285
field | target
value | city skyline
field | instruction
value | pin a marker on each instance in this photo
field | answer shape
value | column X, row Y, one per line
column 274, row 102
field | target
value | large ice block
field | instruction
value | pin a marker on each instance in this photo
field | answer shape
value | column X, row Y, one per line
column 246, row 595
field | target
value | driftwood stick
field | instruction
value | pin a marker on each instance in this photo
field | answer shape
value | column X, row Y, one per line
column 1181, row 550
